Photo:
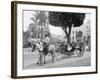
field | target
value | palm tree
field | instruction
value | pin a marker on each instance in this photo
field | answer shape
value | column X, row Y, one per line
column 40, row 21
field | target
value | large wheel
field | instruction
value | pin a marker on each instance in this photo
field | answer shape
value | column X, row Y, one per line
column 80, row 54
column 81, row 51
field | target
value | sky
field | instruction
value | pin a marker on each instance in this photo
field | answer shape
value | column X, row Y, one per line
column 53, row 29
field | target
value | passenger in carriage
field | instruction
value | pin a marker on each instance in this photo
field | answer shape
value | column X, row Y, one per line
column 69, row 48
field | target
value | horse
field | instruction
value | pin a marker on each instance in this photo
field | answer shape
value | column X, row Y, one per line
column 46, row 49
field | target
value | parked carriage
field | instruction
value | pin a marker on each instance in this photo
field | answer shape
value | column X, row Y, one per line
column 73, row 48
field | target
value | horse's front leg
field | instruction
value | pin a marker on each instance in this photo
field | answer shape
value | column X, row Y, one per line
column 40, row 58
column 38, row 62
column 44, row 59
column 52, row 56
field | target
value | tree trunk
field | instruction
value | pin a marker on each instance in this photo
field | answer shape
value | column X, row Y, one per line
column 68, row 36
column 69, row 27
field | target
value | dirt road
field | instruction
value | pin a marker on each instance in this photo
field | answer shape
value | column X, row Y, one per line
column 30, row 60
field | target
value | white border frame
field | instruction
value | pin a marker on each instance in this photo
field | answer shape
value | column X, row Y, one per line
column 33, row 72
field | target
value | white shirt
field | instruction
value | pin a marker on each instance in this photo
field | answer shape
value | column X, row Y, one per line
column 69, row 47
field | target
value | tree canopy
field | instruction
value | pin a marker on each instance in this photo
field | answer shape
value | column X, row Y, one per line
column 63, row 19
column 66, row 21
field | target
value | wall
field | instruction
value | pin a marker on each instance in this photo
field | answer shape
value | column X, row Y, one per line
column 5, row 40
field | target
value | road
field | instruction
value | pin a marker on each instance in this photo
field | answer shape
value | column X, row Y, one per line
column 30, row 61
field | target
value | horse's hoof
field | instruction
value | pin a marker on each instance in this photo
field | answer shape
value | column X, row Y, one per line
column 37, row 63
column 40, row 64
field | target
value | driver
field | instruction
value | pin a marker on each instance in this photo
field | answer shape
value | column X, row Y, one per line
column 47, row 40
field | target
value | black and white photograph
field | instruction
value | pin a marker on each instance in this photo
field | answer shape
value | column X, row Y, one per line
column 53, row 39
column 56, row 39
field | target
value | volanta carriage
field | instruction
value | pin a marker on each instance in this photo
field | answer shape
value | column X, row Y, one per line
column 74, row 48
